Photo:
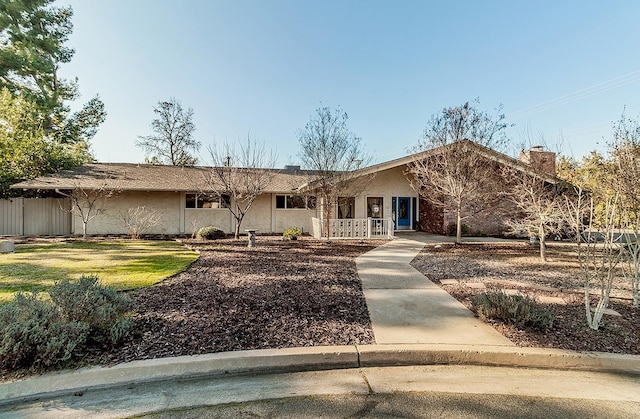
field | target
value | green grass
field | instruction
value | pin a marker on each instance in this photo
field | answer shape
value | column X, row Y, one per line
column 120, row 264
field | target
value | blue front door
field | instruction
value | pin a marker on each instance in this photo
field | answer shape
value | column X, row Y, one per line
column 403, row 213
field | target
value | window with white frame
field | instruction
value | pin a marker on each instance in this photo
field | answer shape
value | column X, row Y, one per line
column 295, row 202
column 204, row 200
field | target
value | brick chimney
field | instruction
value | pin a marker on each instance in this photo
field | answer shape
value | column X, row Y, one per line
column 539, row 159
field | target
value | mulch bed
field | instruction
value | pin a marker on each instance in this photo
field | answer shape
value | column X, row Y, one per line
column 517, row 266
column 276, row 295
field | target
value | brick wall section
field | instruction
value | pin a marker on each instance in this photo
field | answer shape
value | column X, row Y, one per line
column 431, row 217
column 491, row 222
column 541, row 160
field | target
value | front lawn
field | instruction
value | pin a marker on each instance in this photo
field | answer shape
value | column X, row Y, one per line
column 120, row 264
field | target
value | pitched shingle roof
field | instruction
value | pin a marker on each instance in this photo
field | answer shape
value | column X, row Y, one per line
column 471, row 145
column 147, row 177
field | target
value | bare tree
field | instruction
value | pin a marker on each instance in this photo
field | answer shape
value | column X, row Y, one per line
column 540, row 205
column 240, row 171
column 139, row 219
column 448, row 171
column 172, row 142
column 625, row 155
column 87, row 203
column 331, row 152
column 597, row 246
column 631, row 258
column 599, row 256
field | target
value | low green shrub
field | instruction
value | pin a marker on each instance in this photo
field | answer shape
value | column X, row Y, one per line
column 35, row 335
column 520, row 310
column 102, row 308
column 39, row 333
column 292, row 233
column 451, row 229
column 210, row 233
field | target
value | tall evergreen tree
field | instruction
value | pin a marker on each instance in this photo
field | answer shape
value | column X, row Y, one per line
column 33, row 34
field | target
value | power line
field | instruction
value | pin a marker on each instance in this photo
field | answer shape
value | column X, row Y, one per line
column 577, row 95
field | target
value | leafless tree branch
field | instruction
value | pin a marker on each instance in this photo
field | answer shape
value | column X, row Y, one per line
column 331, row 152
column 242, row 171
column 173, row 142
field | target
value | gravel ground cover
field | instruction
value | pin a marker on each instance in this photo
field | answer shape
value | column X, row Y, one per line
column 469, row 269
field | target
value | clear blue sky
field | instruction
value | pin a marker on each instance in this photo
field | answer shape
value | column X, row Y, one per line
column 562, row 69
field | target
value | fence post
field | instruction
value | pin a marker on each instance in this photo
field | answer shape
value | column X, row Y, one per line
column 369, row 226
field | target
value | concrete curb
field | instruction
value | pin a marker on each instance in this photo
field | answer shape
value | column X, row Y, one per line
column 308, row 359
column 256, row 361
column 498, row 356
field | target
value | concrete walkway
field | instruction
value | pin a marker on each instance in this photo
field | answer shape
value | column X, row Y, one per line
column 405, row 307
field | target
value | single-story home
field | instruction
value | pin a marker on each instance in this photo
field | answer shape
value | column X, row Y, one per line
column 387, row 203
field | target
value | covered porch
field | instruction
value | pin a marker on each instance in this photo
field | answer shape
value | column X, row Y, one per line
column 378, row 207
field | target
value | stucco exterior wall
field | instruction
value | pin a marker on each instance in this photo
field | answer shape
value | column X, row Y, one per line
column 196, row 218
column 263, row 216
column 259, row 216
column 289, row 218
column 180, row 220
column 110, row 221
column 385, row 184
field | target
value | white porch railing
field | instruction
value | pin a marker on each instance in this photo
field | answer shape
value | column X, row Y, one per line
column 356, row 228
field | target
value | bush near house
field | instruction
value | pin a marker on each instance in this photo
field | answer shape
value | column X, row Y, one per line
column 451, row 229
column 292, row 233
column 466, row 231
column 210, row 233
column 39, row 333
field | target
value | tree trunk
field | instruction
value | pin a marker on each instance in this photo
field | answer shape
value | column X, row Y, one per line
column 239, row 216
column 543, row 244
column 587, row 303
column 327, row 216
column 84, row 230
column 635, row 275
column 458, row 226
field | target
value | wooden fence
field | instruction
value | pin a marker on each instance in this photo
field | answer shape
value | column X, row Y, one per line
column 35, row 217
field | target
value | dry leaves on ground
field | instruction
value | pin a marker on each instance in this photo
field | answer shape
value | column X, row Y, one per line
column 517, row 267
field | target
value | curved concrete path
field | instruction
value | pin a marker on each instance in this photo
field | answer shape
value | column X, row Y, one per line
column 405, row 307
